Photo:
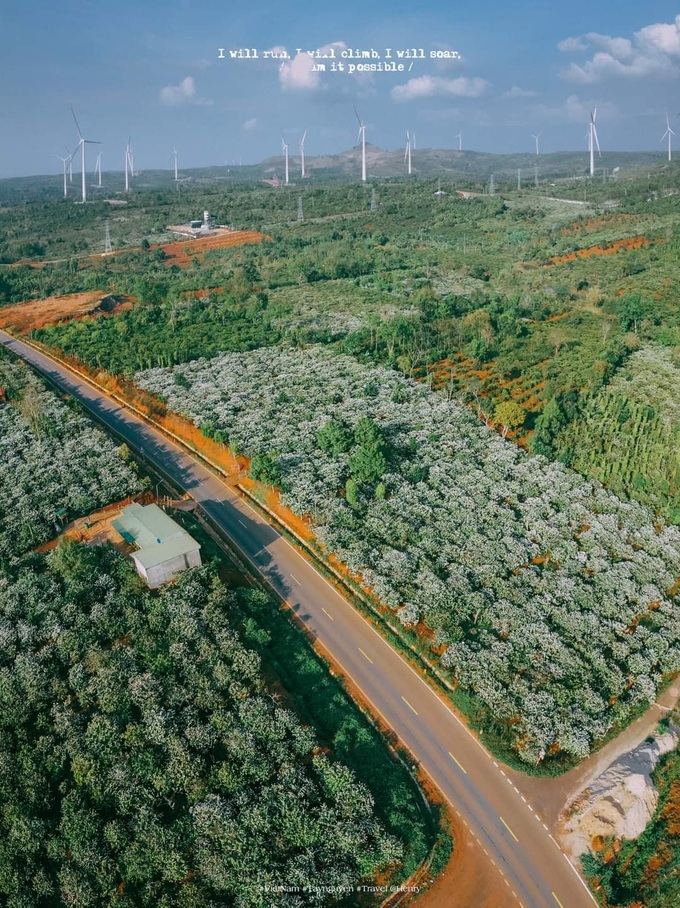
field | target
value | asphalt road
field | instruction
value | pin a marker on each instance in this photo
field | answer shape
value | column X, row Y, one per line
column 538, row 874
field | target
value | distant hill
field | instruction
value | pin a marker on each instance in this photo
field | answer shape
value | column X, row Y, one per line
column 469, row 167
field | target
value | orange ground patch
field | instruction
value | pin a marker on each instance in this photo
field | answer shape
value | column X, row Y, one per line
column 201, row 294
column 182, row 252
column 627, row 244
column 23, row 317
column 599, row 223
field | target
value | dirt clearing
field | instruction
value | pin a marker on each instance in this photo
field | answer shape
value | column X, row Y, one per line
column 22, row 317
column 182, row 252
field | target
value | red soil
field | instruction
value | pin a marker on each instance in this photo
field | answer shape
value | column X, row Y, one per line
column 182, row 252
column 627, row 244
column 606, row 220
column 23, row 317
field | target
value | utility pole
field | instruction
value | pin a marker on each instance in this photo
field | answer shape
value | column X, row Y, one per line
column 536, row 175
column 107, row 239
column 374, row 204
column 300, row 215
column 491, row 187
column 519, row 177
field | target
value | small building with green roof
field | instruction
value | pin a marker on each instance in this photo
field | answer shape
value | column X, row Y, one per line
column 163, row 547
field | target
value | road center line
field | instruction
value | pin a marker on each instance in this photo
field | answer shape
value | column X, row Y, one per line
column 508, row 828
column 458, row 764
column 243, row 524
column 295, row 578
column 327, row 613
column 557, row 900
column 409, row 705
column 365, row 656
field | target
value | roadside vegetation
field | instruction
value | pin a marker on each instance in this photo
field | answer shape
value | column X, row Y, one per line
column 144, row 761
column 54, row 464
column 549, row 598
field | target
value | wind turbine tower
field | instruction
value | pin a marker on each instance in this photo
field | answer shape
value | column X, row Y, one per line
column 460, row 141
column 414, row 141
column 65, row 162
column 83, row 142
column 407, row 152
column 362, row 137
column 284, row 146
column 669, row 132
column 302, row 154
column 129, row 167
column 98, row 171
column 536, row 138
column 175, row 156
column 70, row 163
column 593, row 141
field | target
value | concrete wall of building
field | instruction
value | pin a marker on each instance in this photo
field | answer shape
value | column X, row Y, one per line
column 162, row 573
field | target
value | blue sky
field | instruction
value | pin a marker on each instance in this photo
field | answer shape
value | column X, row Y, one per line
column 151, row 70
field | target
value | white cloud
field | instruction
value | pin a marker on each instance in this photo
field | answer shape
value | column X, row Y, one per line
column 432, row 86
column 517, row 92
column 250, row 125
column 300, row 74
column 184, row 93
column 572, row 45
column 654, row 51
column 576, row 110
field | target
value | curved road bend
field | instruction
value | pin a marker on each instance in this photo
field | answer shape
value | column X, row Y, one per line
column 537, row 872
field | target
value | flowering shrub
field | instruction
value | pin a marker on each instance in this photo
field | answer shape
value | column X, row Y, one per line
column 50, row 459
column 547, row 594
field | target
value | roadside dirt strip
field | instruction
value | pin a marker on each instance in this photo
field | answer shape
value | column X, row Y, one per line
column 536, row 872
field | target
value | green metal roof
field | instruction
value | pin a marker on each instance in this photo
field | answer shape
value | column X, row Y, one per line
column 157, row 536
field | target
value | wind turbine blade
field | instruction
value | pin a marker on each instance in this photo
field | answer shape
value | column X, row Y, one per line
column 359, row 119
column 76, row 121
column 304, row 136
column 596, row 140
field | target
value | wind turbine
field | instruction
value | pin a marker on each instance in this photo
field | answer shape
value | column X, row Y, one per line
column 129, row 166
column 83, row 142
column 284, row 146
column 302, row 154
column 460, row 141
column 175, row 156
column 593, row 141
column 407, row 152
column 362, row 136
column 98, row 171
column 70, row 163
column 669, row 132
column 536, row 137
column 414, row 141
column 65, row 162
